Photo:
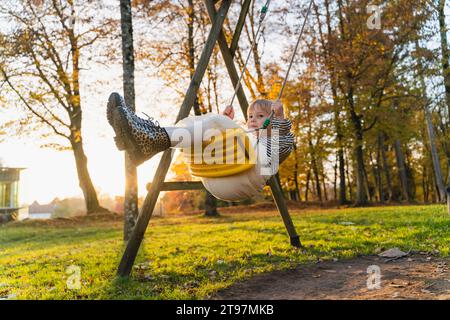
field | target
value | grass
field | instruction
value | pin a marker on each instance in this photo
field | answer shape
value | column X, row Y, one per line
column 193, row 257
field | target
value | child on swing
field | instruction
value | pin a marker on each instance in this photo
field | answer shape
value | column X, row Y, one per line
column 143, row 138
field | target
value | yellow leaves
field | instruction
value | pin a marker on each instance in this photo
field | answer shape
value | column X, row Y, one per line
column 274, row 90
column 37, row 96
column 76, row 100
column 76, row 135
column 180, row 169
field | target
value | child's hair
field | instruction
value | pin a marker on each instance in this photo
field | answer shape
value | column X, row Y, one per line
column 262, row 104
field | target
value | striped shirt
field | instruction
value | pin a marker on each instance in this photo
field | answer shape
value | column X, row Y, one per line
column 285, row 139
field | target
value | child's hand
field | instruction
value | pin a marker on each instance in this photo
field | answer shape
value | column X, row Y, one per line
column 229, row 112
column 277, row 108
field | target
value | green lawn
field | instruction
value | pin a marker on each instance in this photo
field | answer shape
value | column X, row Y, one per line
column 192, row 257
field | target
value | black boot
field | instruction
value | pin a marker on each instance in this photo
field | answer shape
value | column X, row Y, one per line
column 141, row 138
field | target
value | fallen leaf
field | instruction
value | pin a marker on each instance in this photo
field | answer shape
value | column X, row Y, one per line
column 396, row 285
column 393, row 253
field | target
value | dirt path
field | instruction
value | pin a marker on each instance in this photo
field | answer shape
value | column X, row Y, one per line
column 417, row 276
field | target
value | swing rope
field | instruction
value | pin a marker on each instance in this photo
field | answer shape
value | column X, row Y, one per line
column 262, row 16
column 280, row 94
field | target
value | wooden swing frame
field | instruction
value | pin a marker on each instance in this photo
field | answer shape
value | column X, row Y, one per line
column 216, row 35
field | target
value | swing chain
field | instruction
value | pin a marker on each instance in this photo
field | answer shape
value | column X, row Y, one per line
column 263, row 12
column 262, row 16
column 272, row 114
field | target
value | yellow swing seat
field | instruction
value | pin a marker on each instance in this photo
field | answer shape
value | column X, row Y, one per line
column 238, row 155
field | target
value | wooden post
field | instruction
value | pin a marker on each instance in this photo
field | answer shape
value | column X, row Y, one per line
column 282, row 208
column 239, row 27
column 135, row 241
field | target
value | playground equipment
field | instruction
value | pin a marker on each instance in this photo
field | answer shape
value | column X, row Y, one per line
column 216, row 35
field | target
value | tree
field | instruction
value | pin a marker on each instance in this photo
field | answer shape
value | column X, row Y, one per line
column 41, row 63
column 430, row 129
column 131, row 210
column 445, row 64
column 325, row 47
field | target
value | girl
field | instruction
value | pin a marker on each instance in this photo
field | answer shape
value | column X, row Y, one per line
column 142, row 139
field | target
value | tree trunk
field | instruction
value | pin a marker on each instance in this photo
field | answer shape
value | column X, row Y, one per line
column 308, row 178
column 342, row 182
column 386, row 166
column 336, row 106
column 89, row 193
column 425, row 183
column 261, row 88
column 210, row 205
column 315, row 170
column 445, row 71
column 401, row 169
column 85, row 181
column 361, row 192
column 131, row 210
column 324, row 184
column 361, row 195
column 297, row 187
column 410, row 176
column 347, row 173
column 435, row 157
column 444, row 52
column 430, row 129
column 378, row 175
column 448, row 199
column 367, row 184
column 335, row 180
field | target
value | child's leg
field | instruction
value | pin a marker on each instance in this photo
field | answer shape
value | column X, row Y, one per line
column 141, row 138
column 184, row 137
column 197, row 129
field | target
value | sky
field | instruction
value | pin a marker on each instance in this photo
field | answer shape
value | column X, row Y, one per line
column 50, row 173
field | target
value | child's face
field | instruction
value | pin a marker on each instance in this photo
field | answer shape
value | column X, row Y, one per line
column 256, row 117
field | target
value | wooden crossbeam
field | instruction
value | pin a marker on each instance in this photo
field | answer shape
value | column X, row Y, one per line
column 179, row 185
